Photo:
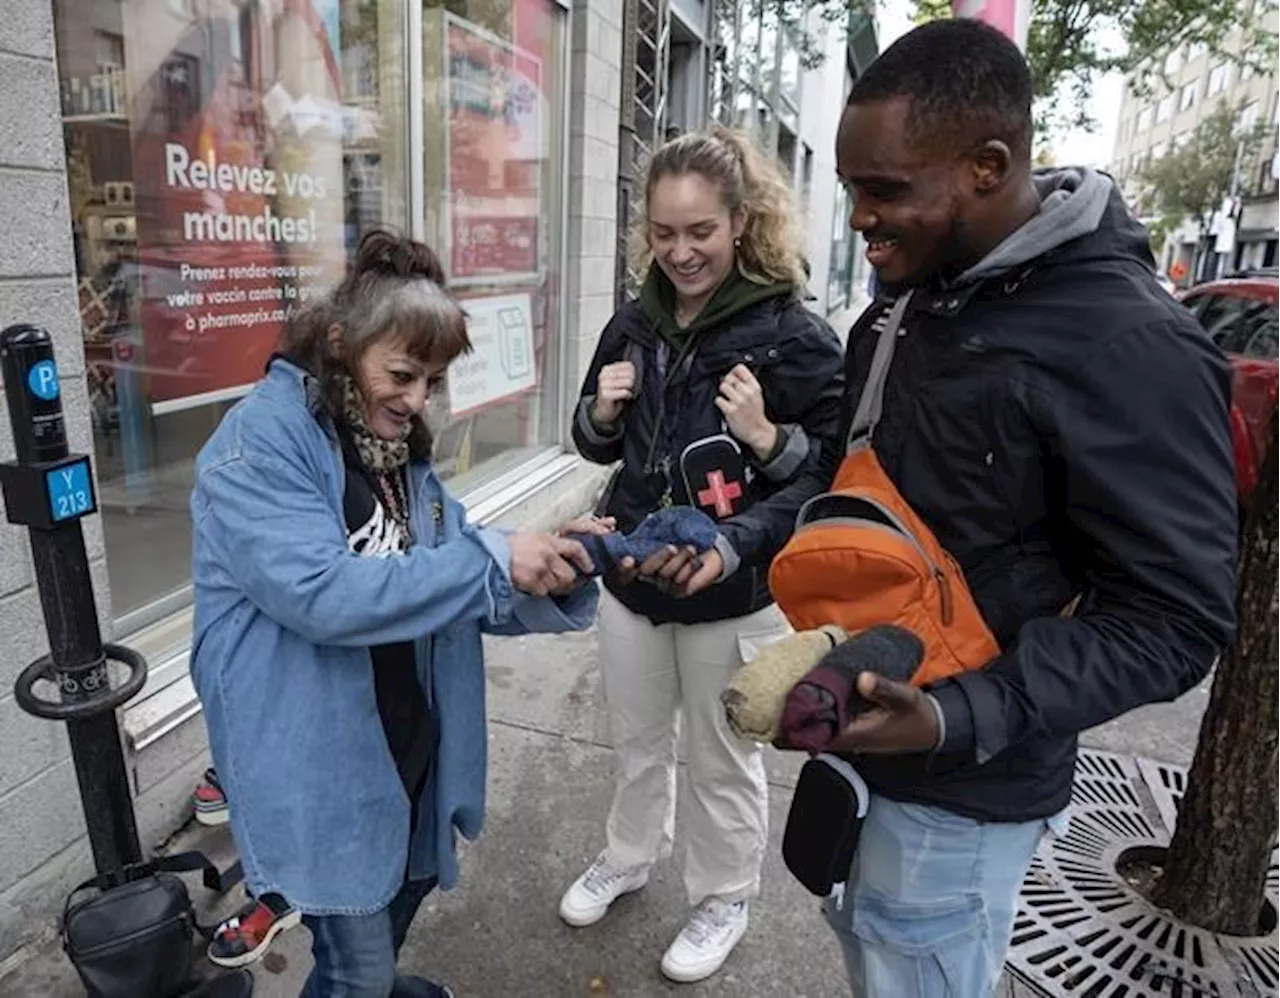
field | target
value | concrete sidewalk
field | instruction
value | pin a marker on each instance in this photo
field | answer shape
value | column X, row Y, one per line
column 498, row 935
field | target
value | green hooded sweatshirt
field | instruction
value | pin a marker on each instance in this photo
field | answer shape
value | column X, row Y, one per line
column 735, row 295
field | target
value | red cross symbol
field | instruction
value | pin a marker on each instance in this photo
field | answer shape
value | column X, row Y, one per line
column 719, row 493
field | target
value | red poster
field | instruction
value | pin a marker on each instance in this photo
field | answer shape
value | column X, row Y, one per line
column 237, row 129
column 495, row 138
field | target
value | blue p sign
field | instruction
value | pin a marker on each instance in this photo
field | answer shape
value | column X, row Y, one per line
column 42, row 379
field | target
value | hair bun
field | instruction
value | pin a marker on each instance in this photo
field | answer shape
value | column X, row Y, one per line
column 385, row 253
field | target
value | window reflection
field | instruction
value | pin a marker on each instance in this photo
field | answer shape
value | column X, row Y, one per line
column 493, row 168
column 223, row 159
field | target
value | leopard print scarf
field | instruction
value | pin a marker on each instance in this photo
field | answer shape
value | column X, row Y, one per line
column 387, row 460
column 379, row 456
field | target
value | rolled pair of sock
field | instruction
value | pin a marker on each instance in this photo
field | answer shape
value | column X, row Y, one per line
column 826, row 699
column 754, row 699
column 674, row 526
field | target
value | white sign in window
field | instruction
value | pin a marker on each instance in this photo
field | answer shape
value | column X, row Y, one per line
column 501, row 363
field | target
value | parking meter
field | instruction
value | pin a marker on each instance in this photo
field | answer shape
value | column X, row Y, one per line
column 49, row 490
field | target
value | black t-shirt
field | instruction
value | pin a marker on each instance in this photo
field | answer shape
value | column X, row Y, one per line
column 407, row 719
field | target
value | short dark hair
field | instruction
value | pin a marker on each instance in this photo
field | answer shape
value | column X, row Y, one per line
column 965, row 81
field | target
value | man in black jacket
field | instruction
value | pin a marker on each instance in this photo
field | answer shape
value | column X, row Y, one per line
column 1061, row 425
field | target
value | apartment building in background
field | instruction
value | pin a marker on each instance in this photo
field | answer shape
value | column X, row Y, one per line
column 1152, row 125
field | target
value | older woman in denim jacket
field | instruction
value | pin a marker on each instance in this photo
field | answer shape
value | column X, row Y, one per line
column 340, row 598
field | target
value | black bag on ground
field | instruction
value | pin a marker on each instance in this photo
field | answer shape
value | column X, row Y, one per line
column 136, row 939
column 825, row 821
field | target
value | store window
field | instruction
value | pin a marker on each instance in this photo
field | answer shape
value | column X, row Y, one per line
column 223, row 159
column 843, row 248
column 493, row 170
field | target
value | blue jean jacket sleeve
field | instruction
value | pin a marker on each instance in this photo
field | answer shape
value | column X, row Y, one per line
column 574, row 611
column 288, row 552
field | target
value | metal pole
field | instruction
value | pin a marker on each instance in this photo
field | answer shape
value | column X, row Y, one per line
column 626, row 147
column 49, row 490
column 80, row 671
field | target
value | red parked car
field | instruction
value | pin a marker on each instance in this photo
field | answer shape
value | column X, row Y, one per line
column 1240, row 314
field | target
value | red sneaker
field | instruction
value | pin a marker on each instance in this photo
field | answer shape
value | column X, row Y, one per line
column 247, row 935
column 211, row 801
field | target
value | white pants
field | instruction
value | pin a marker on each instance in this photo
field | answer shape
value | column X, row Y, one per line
column 652, row 676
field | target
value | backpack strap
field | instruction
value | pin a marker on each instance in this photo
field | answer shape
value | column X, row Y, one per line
column 190, row 862
column 871, row 403
column 634, row 355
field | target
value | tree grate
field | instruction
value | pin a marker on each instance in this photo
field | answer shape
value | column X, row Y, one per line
column 1083, row 932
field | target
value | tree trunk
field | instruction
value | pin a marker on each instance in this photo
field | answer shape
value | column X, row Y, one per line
column 1215, row 873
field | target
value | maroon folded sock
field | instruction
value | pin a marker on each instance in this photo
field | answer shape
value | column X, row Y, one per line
column 823, row 703
column 810, row 718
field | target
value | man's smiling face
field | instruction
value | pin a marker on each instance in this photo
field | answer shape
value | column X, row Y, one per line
column 909, row 195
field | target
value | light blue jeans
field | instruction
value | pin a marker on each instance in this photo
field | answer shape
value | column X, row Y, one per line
column 928, row 909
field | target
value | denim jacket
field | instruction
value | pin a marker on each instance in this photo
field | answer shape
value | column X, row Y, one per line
column 285, row 615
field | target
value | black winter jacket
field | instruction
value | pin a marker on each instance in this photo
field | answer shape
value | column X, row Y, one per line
column 1062, row 427
column 798, row 361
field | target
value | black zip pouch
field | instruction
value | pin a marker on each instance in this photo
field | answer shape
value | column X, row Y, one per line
column 824, row 824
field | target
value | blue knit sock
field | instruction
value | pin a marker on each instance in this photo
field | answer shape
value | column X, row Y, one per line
column 677, row 526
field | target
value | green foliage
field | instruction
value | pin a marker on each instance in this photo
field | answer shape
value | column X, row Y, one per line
column 931, row 10
column 804, row 20
column 1159, row 230
column 1191, row 182
column 1067, row 51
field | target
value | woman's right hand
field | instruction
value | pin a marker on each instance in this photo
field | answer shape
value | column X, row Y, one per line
column 615, row 387
column 542, row 565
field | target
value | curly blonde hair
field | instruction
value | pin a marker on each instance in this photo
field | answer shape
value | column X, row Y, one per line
column 771, row 243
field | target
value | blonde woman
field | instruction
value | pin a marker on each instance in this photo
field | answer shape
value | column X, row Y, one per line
column 717, row 389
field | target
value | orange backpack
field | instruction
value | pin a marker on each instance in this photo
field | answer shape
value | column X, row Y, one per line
column 860, row 556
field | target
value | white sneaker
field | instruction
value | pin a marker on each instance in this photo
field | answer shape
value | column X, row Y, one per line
column 706, row 941
column 587, row 900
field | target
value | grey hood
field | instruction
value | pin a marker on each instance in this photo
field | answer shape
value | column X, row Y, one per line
column 1072, row 203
